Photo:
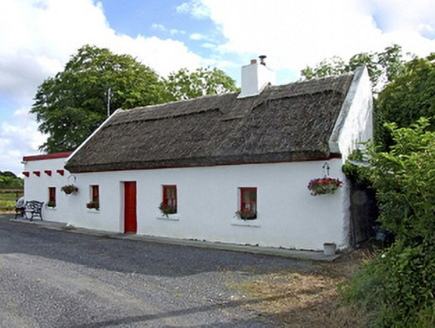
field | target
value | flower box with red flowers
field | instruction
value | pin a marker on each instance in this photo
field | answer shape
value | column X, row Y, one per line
column 166, row 209
column 93, row 205
column 246, row 214
column 323, row 186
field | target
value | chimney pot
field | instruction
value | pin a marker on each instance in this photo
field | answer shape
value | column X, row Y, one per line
column 253, row 61
column 262, row 58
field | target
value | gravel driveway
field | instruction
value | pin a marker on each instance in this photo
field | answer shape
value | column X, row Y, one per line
column 62, row 279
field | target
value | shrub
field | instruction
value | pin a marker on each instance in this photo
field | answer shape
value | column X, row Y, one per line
column 399, row 285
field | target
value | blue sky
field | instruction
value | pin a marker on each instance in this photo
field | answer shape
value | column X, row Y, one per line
column 37, row 38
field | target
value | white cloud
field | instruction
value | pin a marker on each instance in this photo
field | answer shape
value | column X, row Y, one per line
column 197, row 36
column 208, row 45
column 41, row 35
column 425, row 27
column 159, row 27
column 38, row 38
column 175, row 31
column 298, row 33
column 195, row 8
column 164, row 56
column 18, row 139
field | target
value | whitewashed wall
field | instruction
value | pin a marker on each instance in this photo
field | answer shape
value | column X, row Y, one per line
column 288, row 216
column 355, row 122
column 36, row 188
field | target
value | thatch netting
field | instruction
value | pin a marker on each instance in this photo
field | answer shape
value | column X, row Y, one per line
column 284, row 123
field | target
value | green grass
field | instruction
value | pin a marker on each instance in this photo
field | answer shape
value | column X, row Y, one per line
column 7, row 200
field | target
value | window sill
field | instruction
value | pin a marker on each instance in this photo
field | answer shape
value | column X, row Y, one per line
column 170, row 217
column 93, row 211
column 246, row 223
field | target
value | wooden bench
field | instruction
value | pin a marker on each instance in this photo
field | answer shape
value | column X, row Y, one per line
column 33, row 209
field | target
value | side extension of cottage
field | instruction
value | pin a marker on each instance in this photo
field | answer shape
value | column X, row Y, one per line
column 230, row 168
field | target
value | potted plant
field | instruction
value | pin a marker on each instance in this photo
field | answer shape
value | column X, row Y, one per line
column 246, row 214
column 323, row 186
column 70, row 189
column 166, row 209
column 94, row 204
column 51, row 203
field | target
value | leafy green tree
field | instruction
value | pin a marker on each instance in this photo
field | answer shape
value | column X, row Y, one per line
column 409, row 97
column 204, row 81
column 71, row 105
column 327, row 67
column 8, row 174
column 383, row 67
column 8, row 180
column 398, row 286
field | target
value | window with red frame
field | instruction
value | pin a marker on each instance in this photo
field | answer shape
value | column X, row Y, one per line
column 95, row 194
column 51, row 197
column 95, row 198
column 248, row 203
column 169, row 202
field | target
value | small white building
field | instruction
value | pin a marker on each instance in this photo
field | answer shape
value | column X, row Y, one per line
column 205, row 159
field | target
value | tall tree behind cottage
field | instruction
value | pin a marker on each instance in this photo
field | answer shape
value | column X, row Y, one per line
column 409, row 97
column 71, row 105
column 404, row 91
column 383, row 67
column 202, row 82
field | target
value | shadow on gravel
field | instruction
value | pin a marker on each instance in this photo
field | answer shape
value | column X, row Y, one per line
column 128, row 256
column 206, row 308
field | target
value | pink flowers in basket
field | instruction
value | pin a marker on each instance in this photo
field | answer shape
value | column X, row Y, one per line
column 323, row 186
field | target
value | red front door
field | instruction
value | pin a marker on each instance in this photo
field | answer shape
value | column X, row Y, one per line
column 130, row 219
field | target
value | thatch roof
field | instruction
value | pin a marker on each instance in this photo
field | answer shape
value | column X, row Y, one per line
column 291, row 122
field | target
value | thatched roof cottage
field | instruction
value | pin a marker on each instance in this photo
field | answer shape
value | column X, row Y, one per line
column 230, row 168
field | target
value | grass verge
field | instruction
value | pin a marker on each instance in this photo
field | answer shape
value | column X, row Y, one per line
column 307, row 298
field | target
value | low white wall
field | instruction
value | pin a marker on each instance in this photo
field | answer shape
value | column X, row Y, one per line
column 36, row 188
column 288, row 216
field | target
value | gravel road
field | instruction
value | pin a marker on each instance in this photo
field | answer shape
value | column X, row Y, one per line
column 62, row 279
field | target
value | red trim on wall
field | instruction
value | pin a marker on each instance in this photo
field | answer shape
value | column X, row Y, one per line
column 61, row 172
column 37, row 173
column 48, row 172
column 26, row 174
column 46, row 156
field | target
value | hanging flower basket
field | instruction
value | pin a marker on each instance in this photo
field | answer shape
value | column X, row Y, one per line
column 70, row 189
column 323, row 186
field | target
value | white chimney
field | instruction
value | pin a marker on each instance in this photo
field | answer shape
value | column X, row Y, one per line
column 255, row 77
